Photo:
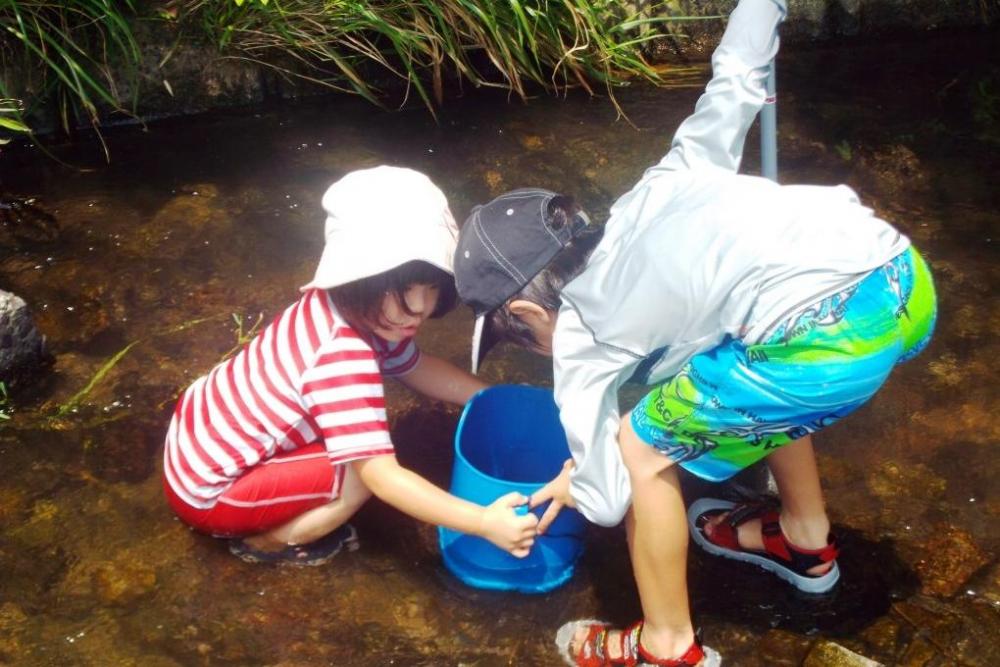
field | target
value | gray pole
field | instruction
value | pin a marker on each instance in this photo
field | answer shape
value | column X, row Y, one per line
column 769, row 130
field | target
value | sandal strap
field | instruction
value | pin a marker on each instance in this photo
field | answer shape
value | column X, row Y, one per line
column 630, row 643
column 740, row 514
column 776, row 545
column 725, row 533
column 799, row 559
column 638, row 655
column 594, row 651
column 632, row 652
column 691, row 658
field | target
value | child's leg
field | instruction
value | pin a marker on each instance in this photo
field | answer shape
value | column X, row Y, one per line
column 317, row 522
column 658, row 540
column 803, row 516
column 293, row 498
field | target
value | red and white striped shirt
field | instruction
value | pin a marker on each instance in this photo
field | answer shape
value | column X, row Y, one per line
column 307, row 377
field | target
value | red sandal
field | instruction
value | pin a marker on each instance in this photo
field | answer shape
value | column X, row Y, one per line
column 780, row 556
column 594, row 651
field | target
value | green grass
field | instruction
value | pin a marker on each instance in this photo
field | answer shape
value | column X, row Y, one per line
column 59, row 51
column 352, row 45
column 61, row 55
column 4, row 402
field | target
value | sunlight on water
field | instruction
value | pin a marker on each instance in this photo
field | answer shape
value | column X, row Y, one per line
column 166, row 257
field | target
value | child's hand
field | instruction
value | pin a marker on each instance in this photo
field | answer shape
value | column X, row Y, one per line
column 507, row 529
column 558, row 492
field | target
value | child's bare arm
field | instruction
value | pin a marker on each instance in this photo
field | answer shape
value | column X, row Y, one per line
column 442, row 380
column 413, row 495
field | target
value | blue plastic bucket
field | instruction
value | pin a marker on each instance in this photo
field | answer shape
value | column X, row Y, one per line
column 509, row 439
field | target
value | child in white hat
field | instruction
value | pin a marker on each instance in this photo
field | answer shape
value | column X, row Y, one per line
column 279, row 445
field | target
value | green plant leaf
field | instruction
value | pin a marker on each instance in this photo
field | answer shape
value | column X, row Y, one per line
column 14, row 125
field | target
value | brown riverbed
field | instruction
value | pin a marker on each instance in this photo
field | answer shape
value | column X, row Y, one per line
column 199, row 223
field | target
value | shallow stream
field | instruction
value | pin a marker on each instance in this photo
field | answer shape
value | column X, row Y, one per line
column 166, row 257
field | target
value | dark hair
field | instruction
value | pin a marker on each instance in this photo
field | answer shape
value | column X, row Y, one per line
column 544, row 289
column 360, row 301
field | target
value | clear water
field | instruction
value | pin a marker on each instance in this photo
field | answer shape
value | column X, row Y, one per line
column 198, row 220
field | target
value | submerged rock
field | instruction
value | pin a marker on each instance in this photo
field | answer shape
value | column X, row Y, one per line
column 118, row 583
column 960, row 633
column 892, row 171
column 22, row 347
column 829, row 654
column 780, row 648
column 882, row 635
column 12, row 622
column 23, row 221
column 952, row 556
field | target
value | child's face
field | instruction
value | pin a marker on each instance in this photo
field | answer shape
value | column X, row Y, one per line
column 395, row 323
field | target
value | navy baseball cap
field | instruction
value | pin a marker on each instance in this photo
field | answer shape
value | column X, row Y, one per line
column 501, row 247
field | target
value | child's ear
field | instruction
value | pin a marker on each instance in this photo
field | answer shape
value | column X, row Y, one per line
column 528, row 310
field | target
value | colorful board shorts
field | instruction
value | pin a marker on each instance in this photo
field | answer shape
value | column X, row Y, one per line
column 731, row 406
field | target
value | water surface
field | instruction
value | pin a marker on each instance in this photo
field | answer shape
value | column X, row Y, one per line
column 199, row 224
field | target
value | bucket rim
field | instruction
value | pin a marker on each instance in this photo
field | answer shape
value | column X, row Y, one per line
column 527, row 488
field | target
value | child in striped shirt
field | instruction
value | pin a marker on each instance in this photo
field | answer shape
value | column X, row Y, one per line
column 276, row 447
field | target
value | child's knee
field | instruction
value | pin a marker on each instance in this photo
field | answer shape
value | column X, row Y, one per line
column 355, row 498
column 641, row 459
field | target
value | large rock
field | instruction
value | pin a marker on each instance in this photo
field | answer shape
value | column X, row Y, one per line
column 22, row 347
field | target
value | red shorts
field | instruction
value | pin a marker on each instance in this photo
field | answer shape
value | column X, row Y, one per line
column 268, row 495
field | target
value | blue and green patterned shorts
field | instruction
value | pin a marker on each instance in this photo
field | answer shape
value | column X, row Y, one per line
column 731, row 406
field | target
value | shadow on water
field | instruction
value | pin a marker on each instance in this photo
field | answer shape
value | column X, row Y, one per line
column 872, row 577
column 165, row 258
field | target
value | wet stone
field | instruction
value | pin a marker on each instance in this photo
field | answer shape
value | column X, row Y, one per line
column 892, row 170
column 948, row 371
column 951, row 557
column 12, row 625
column 41, row 528
column 963, row 632
column 781, row 648
column 987, row 585
column 494, row 179
column 893, row 480
column 882, row 636
column 829, row 654
column 78, row 323
column 976, row 643
column 904, row 492
column 22, row 347
column 209, row 190
column 123, row 451
column 120, row 583
column 181, row 226
column 12, row 504
column 532, row 142
column 920, row 653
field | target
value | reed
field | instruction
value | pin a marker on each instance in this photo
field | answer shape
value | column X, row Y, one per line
column 351, row 45
column 60, row 52
column 82, row 54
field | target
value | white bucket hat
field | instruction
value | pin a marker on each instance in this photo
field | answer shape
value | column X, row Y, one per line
column 380, row 218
